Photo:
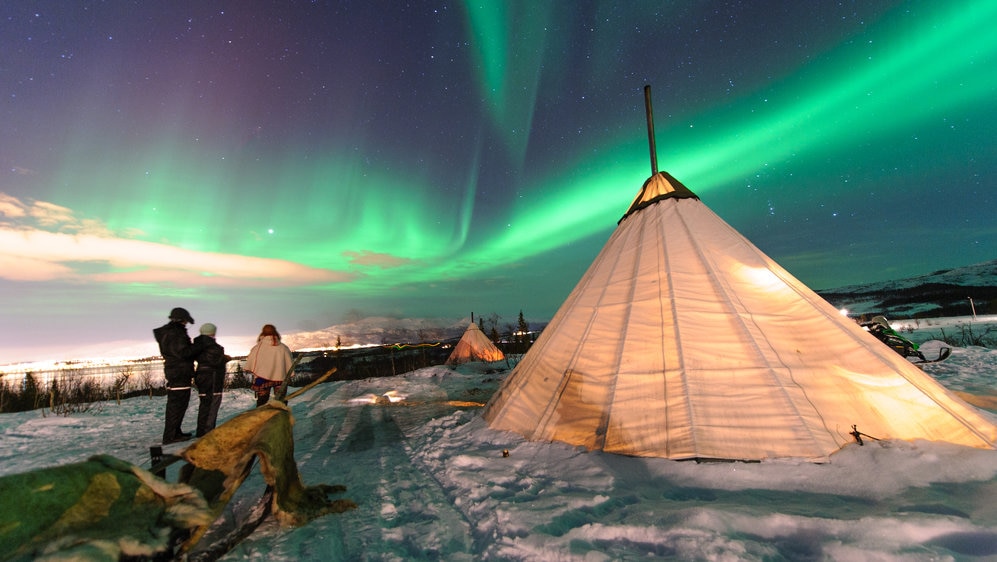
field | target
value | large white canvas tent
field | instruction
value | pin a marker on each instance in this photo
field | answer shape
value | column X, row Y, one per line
column 683, row 340
column 474, row 345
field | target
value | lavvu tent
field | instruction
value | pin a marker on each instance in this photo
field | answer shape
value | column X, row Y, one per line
column 474, row 345
column 683, row 340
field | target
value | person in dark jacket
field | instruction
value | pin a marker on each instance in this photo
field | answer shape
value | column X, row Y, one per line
column 209, row 377
column 178, row 365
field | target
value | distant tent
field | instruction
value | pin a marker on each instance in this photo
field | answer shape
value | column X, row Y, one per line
column 684, row 341
column 474, row 345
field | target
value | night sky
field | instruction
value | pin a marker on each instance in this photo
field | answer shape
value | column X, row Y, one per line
column 304, row 164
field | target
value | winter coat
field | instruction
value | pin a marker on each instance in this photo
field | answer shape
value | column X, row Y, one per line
column 178, row 353
column 271, row 362
column 211, row 362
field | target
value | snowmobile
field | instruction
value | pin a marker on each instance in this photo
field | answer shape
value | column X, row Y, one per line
column 880, row 328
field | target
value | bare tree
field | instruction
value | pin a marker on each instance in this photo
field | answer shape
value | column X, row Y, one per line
column 146, row 377
column 121, row 381
column 74, row 392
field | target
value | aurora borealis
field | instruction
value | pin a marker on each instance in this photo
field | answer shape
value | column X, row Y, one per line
column 294, row 162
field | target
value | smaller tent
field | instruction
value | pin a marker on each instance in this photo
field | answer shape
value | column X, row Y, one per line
column 474, row 345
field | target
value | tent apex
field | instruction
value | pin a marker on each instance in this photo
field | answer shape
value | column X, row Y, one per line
column 661, row 185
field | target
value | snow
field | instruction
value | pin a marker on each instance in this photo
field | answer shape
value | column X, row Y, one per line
column 432, row 482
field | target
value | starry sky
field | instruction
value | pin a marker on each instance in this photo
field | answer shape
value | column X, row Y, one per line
column 306, row 163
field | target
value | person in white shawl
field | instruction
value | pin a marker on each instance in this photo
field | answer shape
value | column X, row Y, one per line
column 270, row 362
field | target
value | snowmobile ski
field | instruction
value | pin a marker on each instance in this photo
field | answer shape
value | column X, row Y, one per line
column 943, row 354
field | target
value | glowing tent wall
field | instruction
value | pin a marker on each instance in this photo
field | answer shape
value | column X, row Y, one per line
column 474, row 345
column 683, row 340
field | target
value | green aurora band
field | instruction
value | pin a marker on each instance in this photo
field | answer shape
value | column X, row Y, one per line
column 823, row 109
column 381, row 217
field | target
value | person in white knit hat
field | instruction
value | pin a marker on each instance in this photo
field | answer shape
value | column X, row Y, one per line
column 270, row 362
column 209, row 377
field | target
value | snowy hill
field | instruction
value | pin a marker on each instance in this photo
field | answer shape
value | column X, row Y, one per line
column 378, row 330
column 941, row 293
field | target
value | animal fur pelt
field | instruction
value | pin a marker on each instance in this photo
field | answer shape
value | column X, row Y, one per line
column 101, row 509
column 220, row 461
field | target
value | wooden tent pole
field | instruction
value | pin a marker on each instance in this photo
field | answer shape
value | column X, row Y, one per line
column 650, row 129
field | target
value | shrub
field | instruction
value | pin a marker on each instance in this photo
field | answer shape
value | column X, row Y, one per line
column 969, row 337
column 73, row 392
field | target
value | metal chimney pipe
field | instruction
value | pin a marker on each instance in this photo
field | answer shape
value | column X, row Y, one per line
column 650, row 129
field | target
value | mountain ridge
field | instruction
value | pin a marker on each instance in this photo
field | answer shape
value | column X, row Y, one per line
column 960, row 291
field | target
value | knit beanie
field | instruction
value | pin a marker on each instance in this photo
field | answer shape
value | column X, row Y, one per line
column 208, row 329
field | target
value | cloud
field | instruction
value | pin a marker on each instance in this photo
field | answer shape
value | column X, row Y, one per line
column 56, row 245
column 374, row 259
column 47, row 214
column 11, row 207
column 43, row 255
column 19, row 268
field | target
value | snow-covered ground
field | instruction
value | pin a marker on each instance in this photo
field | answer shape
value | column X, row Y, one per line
column 432, row 483
column 957, row 327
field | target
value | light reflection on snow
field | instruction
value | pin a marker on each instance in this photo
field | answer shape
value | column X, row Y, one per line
column 389, row 397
